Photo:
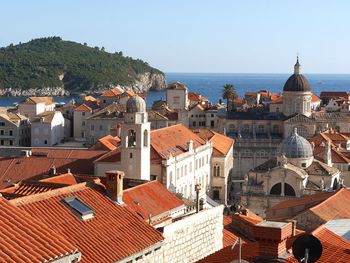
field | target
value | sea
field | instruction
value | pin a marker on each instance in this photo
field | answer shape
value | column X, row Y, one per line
column 210, row 85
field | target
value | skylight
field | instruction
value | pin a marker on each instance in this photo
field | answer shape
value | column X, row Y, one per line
column 79, row 208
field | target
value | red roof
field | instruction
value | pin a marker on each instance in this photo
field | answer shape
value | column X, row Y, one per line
column 15, row 169
column 333, row 94
column 325, row 206
column 151, row 198
column 83, row 107
column 196, row 97
column 112, row 93
column 315, row 98
column 107, row 143
column 111, row 235
column 25, row 239
column 221, row 143
column 173, row 140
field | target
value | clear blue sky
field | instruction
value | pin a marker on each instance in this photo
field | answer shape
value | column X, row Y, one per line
column 251, row 36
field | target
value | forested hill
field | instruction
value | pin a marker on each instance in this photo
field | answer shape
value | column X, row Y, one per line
column 52, row 62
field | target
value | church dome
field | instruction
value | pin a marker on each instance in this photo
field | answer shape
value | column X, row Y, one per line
column 297, row 82
column 135, row 104
column 296, row 146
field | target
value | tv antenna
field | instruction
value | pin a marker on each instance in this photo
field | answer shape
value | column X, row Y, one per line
column 307, row 248
column 239, row 260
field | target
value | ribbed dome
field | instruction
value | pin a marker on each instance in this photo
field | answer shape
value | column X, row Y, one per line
column 296, row 146
column 135, row 104
column 297, row 82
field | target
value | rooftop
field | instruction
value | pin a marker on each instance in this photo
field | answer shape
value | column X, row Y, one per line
column 112, row 234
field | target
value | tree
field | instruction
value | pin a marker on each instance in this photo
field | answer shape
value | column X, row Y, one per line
column 229, row 93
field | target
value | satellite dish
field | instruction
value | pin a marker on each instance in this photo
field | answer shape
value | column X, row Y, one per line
column 307, row 248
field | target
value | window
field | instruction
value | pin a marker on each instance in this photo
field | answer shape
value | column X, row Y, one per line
column 216, row 194
column 194, row 124
column 2, row 123
column 277, row 109
column 2, row 142
column 11, row 142
column 216, row 170
column 79, row 208
column 83, row 123
column 145, row 138
column 83, row 113
column 303, row 165
column 104, row 101
column 2, row 132
column 10, row 132
column 212, row 123
column 131, row 138
column 45, row 142
column 130, row 155
column 212, row 115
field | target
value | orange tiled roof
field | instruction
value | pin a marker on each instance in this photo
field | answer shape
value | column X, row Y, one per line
column 276, row 99
column 325, row 206
column 173, row 140
column 238, row 101
column 35, row 100
column 15, row 169
column 221, row 143
column 110, row 157
column 315, row 98
column 25, row 239
column 90, row 98
column 116, row 92
column 111, row 235
column 108, row 143
column 83, row 107
column 196, row 97
column 335, row 249
column 151, row 198
column 334, row 94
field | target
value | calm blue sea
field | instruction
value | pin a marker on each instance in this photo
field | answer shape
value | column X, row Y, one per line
column 210, row 84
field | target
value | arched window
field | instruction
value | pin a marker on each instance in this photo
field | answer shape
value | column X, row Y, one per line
column 277, row 190
column 131, row 138
column 145, row 138
column 216, row 170
column 288, row 190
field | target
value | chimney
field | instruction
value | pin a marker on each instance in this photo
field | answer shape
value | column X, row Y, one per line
column 68, row 171
column 190, row 145
column 272, row 237
column 114, row 185
column 119, row 130
column 294, row 226
column 52, row 171
column 328, row 153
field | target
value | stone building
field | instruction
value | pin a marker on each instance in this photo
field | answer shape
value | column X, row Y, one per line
column 294, row 173
column 14, row 129
column 258, row 131
column 80, row 127
column 33, row 106
column 47, row 129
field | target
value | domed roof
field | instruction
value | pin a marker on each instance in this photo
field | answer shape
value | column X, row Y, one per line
column 297, row 82
column 296, row 146
column 135, row 104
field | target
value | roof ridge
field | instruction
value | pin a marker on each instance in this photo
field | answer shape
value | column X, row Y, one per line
column 140, row 185
column 45, row 195
column 326, row 199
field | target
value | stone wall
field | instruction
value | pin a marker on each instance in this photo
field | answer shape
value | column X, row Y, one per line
column 191, row 238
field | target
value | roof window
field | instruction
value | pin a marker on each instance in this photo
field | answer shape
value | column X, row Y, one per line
column 79, row 208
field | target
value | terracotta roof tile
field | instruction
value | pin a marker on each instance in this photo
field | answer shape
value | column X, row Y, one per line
column 173, row 140
column 35, row 100
column 325, row 206
column 196, row 97
column 151, row 198
column 116, row 92
column 15, row 169
column 315, row 98
column 83, row 107
column 111, row 235
column 221, row 143
column 107, row 143
column 25, row 239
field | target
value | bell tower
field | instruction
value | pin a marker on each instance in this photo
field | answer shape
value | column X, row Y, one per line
column 135, row 136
